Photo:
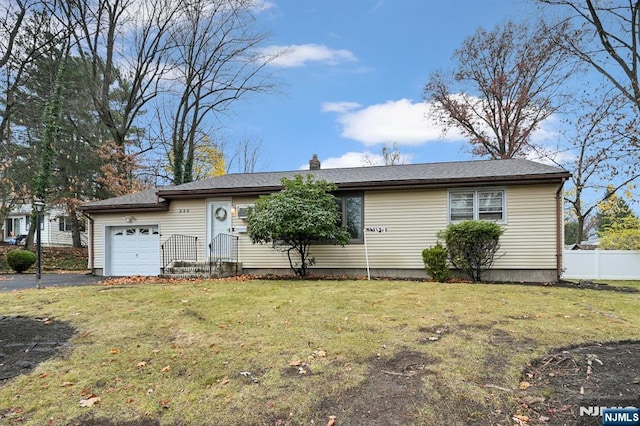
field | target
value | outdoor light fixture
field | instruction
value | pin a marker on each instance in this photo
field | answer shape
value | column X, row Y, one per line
column 128, row 219
column 39, row 207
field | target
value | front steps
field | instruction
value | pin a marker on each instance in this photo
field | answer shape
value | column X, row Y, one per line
column 186, row 270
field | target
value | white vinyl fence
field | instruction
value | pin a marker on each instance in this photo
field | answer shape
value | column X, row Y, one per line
column 601, row 264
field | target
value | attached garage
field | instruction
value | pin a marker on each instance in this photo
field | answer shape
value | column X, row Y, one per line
column 132, row 250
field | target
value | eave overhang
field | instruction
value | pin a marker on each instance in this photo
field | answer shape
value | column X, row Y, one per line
column 376, row 185
column 130, row 208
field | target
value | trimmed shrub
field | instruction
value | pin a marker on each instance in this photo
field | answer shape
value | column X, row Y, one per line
column 435, row 262
column 20, row 260
column 472, row 246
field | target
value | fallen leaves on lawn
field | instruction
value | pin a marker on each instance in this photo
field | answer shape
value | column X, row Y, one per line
column 332, row 421
column 139, row 280
column 90, row 401
column 166, row 369
column 115, row 351
column 520, row 420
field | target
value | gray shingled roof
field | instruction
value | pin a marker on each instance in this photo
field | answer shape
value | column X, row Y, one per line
column 366, row 175
column 138, row 200
column 398, row 176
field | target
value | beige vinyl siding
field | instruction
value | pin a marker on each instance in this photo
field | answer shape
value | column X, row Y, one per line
column 255, row 255
column 185, row 217
column 412, row 219
column 529, row 240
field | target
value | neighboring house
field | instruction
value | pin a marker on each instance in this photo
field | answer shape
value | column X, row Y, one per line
column 131, row 234
column 586, row 245
column 55, row 227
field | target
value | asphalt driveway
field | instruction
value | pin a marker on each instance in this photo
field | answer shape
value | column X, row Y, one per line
column 10, row 282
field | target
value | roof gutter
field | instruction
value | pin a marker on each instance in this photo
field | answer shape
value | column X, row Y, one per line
column 559, row 229
column 119, row 208
column 91, row 243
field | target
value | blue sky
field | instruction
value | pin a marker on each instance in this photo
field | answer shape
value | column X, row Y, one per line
column 353, row 77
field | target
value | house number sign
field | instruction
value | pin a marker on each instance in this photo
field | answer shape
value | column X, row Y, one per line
column 376, row 229
column 379, row 229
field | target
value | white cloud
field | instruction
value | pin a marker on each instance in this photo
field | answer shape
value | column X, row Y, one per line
column 339, row 107
column 401, row 121
column 349, row 159
column 299, row 55
column 356, row 159
column 262, row 5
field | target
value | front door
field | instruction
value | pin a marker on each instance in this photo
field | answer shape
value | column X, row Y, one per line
column 219, row 230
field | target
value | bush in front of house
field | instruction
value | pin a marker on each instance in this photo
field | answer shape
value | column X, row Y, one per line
column 472, row 246
column 292, row 220
column 435, row 262
column 20, row 260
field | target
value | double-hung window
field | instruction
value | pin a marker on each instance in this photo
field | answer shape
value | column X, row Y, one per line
column 65, row 224
column 481, row 204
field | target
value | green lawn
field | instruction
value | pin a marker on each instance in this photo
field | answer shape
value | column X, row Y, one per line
column 175, row 353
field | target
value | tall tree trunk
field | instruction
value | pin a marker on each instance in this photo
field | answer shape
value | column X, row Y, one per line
column 580, row 229
column 75, row 228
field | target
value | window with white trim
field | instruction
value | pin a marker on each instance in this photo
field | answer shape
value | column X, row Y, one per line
column 481, row 204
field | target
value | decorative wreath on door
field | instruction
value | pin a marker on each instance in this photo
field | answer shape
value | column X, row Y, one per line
column 221, row 214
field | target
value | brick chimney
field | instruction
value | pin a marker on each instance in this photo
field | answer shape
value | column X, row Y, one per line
column 314, row 163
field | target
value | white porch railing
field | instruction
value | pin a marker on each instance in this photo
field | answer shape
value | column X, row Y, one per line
column 601, row 264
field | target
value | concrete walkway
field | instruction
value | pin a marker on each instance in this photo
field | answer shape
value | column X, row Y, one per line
column 10, row 282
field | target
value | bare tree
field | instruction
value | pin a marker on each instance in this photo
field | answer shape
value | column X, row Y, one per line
column 391, row 156
column 25, row 34
column 12, row 16
column 506, row 82
column 124, row 45
column 216, row 62
column 598, row 153
column 246, row 154
column 611, row 42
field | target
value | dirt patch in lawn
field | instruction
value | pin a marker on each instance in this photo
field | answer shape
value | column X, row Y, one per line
column 26, row 342
column 398, row 387
column 391, row 394
column 599, row 375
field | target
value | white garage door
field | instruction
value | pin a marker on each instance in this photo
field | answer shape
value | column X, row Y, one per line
column 134, row 250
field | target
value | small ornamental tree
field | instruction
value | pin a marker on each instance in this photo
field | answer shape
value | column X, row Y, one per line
column 472, row 246
column 291, row 220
